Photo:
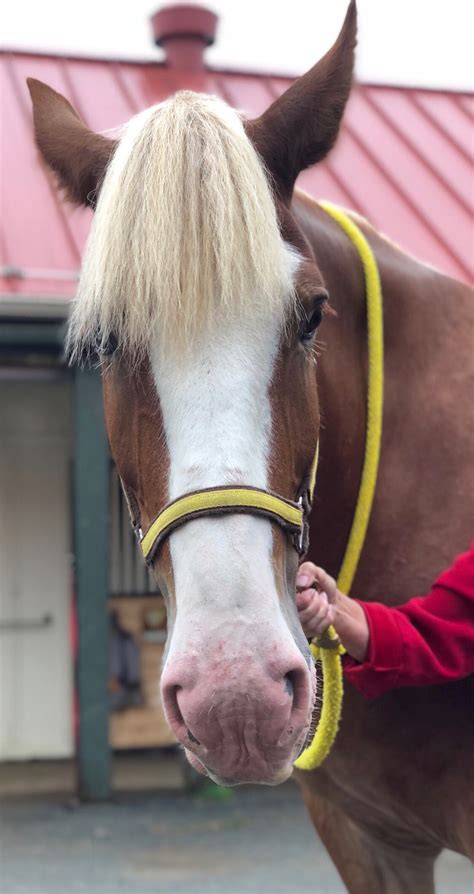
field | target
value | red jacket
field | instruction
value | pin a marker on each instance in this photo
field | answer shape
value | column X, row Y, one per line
column 429, row 639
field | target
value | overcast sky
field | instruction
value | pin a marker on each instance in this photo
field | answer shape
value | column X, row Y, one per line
column 414, row 42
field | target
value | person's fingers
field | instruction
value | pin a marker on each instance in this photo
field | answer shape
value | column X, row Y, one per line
column 306, row 574
column 316, row 606
column 303, row 599
column 320, row 624
column 308, row 613
column 321, row 621
column 317, row 626
column 325, row 582
column 306, row 617
column 310, row 575
column 316, row 613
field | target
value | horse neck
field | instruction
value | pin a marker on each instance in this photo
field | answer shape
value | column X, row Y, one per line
column 428, row 321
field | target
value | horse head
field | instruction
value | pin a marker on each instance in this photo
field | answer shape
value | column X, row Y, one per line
column 202, row 297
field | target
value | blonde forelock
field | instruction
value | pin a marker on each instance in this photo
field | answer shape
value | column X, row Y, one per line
column 185, row 234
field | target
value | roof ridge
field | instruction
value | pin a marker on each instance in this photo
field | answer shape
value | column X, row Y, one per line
column 211, row 70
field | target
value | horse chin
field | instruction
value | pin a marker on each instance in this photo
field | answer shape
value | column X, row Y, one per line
column 196, row 763
column 274, row 777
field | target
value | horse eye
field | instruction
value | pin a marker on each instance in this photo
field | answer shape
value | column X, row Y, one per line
column 310, row 322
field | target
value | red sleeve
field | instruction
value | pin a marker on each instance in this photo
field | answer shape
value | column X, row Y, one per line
column 428, row 640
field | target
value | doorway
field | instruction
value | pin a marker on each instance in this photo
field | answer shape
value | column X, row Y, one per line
column 36, row 662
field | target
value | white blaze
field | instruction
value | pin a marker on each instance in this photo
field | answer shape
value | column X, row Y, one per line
column 217, row 419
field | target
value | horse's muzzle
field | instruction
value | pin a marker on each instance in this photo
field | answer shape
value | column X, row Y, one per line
column 244, row 719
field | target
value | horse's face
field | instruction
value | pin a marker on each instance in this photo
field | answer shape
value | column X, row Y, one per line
column 233, row 401
column 238, row 685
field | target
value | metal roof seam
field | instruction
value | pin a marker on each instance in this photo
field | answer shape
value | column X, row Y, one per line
column 408, row 200
column 224, row 93
column 413, row 98
column 134, row 108
column 411, row 145
column 73, row 94
column 460, row 100
column 343, row 186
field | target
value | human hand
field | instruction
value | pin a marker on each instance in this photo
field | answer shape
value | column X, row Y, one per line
column 321, row 604
column 315, row 599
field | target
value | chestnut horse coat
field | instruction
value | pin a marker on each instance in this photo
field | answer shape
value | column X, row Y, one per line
column 399, row 784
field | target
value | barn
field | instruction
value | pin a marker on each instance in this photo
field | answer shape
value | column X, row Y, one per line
column 403, row 160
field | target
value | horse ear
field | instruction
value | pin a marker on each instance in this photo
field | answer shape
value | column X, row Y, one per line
column 77, row 155
column 301, row 126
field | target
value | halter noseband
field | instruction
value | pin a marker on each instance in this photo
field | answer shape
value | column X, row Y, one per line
column 213, row 501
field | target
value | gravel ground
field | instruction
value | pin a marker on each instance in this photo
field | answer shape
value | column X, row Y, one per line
column 249, row 841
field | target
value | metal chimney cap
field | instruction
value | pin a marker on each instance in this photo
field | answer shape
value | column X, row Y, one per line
column 184, row 22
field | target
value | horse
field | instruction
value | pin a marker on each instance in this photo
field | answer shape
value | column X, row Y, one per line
column 208, row 285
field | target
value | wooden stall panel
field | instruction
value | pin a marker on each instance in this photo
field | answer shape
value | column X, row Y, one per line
column 143, row 726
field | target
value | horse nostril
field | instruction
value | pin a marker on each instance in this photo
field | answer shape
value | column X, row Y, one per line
column 296, row 687
column 191, row 737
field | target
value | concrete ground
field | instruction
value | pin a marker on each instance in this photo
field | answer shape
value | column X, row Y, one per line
column 249, row 841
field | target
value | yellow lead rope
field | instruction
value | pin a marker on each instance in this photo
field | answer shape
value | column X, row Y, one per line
column 330, row 658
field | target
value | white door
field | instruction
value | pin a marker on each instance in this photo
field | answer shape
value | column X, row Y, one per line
column 36, row 666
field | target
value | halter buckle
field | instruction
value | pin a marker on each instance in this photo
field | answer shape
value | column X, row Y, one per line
column 301, row 539
column 326, row 641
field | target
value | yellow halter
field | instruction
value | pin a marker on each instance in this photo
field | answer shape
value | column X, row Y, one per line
column 327, row 649
column 293, row 516
column 219, row 500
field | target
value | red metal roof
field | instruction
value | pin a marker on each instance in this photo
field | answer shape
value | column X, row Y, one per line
column 404, row 160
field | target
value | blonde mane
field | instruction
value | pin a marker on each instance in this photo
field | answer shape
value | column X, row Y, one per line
column 185, row 235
